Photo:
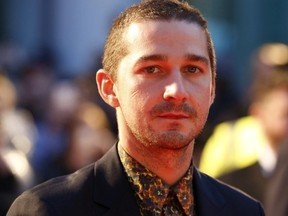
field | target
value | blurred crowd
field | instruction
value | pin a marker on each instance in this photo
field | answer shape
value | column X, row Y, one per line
column 49, row 125
column 52, row 125
column 250, row 152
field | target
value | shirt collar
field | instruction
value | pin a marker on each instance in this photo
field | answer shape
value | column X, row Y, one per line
column 151, row 190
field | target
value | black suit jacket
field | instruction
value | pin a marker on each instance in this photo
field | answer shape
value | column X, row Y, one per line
column 250, row 179
column 276, row 202
column 103, row 189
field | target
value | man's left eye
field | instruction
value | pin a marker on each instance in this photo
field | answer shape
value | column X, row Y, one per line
column 191, row 69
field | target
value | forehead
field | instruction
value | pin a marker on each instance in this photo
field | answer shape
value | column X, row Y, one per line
column 155, row 27
column 177, row 36
column 278, row 94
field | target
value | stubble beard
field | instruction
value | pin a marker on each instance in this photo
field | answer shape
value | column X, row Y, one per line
column 169, row 140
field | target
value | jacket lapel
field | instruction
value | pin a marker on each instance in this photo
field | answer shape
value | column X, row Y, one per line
column 209, row 200
column 113, row 194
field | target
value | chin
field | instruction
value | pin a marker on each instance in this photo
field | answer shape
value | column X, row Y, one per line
column 172, row 140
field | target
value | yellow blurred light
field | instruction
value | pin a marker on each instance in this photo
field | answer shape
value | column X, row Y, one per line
column 274, row 54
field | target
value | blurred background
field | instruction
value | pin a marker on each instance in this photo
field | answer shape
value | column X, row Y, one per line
column 52, row 120
column 71, row 32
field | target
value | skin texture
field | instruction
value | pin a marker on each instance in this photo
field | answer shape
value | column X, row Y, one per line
column 272, row 112
column 162, row 94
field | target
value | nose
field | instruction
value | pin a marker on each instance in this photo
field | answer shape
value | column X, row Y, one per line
column 175, row 88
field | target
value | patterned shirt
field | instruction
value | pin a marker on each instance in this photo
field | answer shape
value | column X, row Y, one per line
column 154, row 196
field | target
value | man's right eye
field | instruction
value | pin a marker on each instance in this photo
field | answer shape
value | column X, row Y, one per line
column 151, row 70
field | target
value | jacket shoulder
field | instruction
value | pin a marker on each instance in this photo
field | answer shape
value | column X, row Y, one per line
column 58, row 193
column 217, row 196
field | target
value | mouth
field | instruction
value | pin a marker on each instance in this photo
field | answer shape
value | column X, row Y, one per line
column 174, row 115
column 171, row 111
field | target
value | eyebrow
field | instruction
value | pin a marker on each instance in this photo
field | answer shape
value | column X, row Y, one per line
column 198, row 58
column 159, row 57
column 155, row 57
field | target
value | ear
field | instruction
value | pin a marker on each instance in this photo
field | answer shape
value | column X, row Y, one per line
column 254, row 109
column 212, row 93
column 105, row 86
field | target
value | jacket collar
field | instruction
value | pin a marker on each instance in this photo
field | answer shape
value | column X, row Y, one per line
column 113, row 194
column 209, row 200
column 112, row 191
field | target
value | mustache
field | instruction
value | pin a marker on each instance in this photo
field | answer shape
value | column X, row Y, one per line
column 172, row 107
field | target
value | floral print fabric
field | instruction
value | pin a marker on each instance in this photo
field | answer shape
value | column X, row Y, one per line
column 154, row 196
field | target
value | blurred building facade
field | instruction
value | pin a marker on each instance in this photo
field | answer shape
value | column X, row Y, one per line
column 248, row 25
column 74, row 31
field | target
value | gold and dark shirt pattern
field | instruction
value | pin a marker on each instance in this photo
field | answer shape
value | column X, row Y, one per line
column 154, row 196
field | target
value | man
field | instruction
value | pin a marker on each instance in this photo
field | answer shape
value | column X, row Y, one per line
column 159, row 75
column 276, row 201
column 236, row 144
column 269, row 107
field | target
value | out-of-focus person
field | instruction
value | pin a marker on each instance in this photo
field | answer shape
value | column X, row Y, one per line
column 89, row 138
column 276, row 200
column 236, row 144
column 270, row 109
column 233, row 145
column 17, row 134
column 52, row 140
column 34, row 87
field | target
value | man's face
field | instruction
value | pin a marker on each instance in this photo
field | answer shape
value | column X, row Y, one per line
column 273, row 114
column 164, row 85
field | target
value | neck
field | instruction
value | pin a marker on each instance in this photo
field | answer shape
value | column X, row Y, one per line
column 169, row 164
column 275, row 143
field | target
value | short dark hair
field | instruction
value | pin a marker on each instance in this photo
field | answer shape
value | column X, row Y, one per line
column 276, row 79
column 115, row 48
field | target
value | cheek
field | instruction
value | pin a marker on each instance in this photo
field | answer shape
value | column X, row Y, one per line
column 134, row 101
column 202, row 90
column 203, row 108
column 142, row 93
column 278, row 125
column 204, row 98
